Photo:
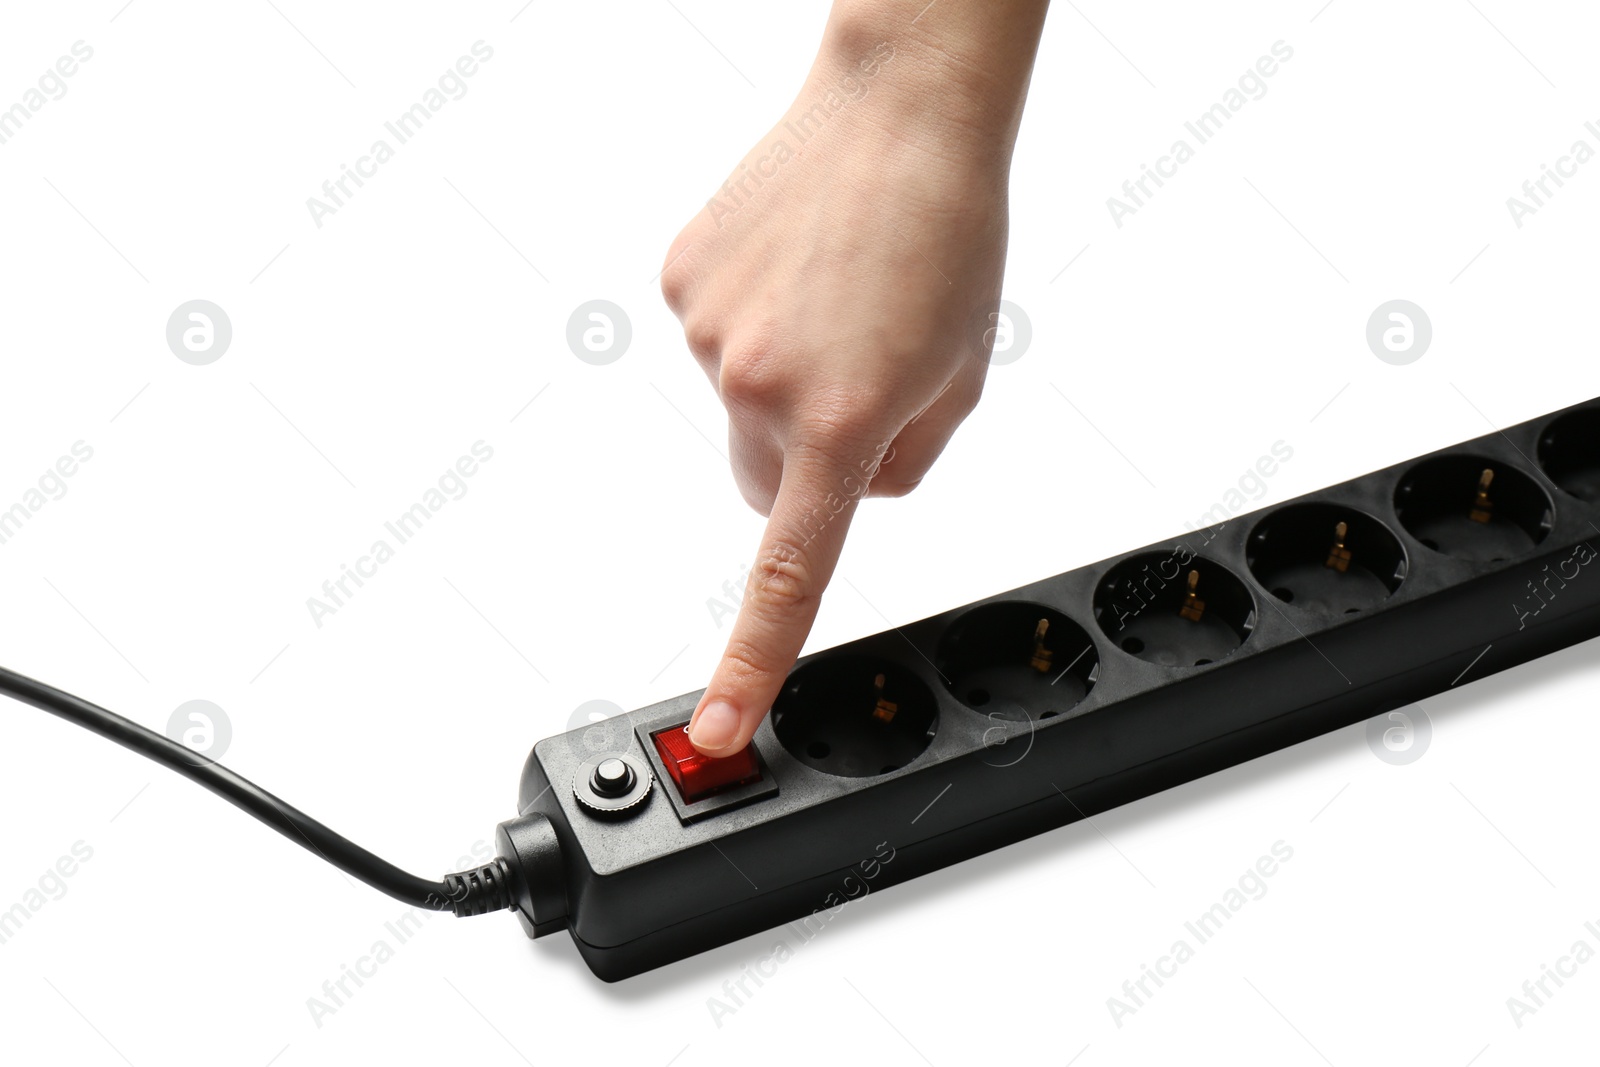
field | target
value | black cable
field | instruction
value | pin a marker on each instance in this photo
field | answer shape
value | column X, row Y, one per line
column 475, row 892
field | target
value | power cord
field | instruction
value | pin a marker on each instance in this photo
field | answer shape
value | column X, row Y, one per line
column 491, row 887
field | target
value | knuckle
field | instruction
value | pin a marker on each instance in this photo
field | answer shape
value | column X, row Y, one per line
column 746, row 662
column 782, row 580
column 703, row 334
column 893, row 487
column 747, row 380
column 674, row 289
column 837, row 427
column 967, row 396
column 676, row 277
column 846, row 445
column 854, row 424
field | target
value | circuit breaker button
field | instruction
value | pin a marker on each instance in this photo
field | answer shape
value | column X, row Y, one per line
column 612, row 778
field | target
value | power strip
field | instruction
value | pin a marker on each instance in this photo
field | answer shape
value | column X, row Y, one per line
column 928, row 744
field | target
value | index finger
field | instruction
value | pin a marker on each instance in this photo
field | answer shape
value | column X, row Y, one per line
column 805, row 533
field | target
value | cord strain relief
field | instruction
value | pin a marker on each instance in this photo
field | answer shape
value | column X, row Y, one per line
column 482, row 890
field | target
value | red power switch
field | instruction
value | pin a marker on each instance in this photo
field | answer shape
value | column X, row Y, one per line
column 697, row 776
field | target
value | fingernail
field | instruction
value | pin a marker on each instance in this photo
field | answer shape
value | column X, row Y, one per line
column 715, row 726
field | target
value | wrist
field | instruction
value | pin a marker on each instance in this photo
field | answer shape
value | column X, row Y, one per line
column 958, row 77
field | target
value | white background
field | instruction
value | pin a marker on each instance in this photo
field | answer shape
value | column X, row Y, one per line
column 424, row 316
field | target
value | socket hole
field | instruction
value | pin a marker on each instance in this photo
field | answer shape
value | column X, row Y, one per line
column 1201, row 662
column 1048, row 714
column 1017, row 660
column 837, row 716
column 1144, row 604
column 1438, row 503
column 1569, row 451
column 1297, row 552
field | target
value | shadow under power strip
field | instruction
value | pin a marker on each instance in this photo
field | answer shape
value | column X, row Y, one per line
column 931, row 743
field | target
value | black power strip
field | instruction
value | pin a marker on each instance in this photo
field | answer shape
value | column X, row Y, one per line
column 925, row 745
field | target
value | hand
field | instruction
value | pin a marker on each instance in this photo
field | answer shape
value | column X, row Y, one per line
column 830, row 291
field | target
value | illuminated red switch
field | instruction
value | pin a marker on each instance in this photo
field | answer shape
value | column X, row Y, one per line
column 697, row 776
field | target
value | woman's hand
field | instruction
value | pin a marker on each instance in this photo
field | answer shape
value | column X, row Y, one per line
column 835, row 291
